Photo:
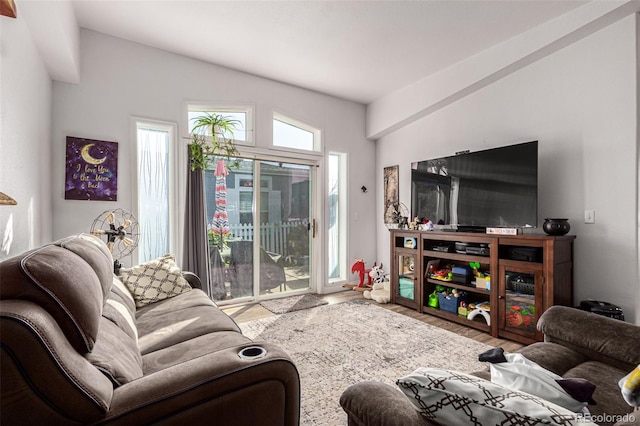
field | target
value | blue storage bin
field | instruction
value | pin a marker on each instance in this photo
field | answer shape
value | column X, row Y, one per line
column 450, row 304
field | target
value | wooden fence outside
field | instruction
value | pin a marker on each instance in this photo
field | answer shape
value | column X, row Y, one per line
column 274, row 237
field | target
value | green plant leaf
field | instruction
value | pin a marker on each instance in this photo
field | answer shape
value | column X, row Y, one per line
column 202, row 150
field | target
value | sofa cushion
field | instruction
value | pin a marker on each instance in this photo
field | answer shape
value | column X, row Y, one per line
column 43, row 375
column 95, row 252
column 607, row 395
column 121, row 310
column 186, row 300
column 117, row 313
column 615, row 342
column 124, row 295
column 154, row 280
column 64, row 284
column 192, row 349
column 448, row 397
column 378, row 403
column 179, row 319
column 552, row 356
column 116, row 354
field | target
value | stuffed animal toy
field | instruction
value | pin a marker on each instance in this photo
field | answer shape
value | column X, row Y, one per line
column 381, row 291
column 376, row 274
column 358, row 268
column 630, row 385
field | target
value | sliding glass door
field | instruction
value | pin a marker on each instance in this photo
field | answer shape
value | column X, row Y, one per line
column 260, row 228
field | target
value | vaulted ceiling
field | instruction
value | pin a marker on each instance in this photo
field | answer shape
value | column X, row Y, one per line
column 357, row 50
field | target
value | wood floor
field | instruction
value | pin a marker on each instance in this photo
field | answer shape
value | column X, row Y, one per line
column 255, row 311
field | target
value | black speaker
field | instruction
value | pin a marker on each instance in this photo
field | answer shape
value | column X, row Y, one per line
column 526, row 254
column 602, row 308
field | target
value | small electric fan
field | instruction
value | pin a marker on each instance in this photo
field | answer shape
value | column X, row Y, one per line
column 120, row 228
column 399, row 216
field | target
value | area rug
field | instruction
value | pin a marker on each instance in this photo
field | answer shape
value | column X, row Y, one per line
column 293, row 303
column 337, row 345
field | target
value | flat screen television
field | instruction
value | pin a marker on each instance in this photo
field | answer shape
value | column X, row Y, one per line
column 471, row 191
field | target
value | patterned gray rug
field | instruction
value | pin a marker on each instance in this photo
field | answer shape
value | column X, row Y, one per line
column 337, row 345
column 293, row 303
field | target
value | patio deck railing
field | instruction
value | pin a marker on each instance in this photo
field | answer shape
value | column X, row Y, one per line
column 274, row 237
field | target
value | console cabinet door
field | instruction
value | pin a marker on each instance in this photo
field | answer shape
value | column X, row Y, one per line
column 520, row 301
column 405, row 283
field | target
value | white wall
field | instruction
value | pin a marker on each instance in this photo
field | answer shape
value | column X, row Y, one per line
column 25, row 136
column 580, row 103
column 120, row 79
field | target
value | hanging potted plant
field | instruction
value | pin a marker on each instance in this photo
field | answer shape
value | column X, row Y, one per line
column 203, row 149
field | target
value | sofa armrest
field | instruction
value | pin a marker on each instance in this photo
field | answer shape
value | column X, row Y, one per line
column 219, row 387
column 379, row 404
column 193, row 280
column 599, row 338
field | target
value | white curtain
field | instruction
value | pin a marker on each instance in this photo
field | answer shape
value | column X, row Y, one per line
column 153, row 193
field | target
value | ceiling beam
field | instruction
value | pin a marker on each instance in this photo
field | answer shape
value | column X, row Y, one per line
column 432, row 93
column 56, row 34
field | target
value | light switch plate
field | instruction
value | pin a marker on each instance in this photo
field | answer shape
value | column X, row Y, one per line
column 589, row 216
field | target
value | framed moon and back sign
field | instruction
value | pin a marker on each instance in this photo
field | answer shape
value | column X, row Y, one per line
column 91, row 170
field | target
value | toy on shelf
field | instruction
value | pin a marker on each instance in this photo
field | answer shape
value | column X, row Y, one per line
column 451, row 298
column 433, row 300
column 443, row 274
column 427, row 225
column 482, row 309
column 463, row 309
column 521, row 316
column 475, row 267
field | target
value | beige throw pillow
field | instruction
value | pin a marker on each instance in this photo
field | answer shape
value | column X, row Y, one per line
column 155, row 280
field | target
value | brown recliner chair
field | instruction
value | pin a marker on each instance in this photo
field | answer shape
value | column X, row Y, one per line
column 67, row 356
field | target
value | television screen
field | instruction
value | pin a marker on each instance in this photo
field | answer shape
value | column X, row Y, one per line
column 491, row 188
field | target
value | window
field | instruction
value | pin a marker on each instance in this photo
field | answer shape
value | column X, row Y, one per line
column 336, row 241
column 293, row 134
column 243, row 133
column 154, row 149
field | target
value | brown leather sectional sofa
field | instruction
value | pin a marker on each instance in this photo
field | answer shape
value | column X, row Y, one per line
column 176, row 361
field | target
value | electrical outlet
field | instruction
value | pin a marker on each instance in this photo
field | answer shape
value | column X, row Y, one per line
column 589, row 216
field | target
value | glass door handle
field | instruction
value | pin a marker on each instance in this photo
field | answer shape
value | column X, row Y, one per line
column 311, row 226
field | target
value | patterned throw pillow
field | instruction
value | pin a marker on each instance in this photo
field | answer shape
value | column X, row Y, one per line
column 447, row 397
column 155, row 280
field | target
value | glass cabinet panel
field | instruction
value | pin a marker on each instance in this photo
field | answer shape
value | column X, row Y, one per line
column 407, row 276
column 520, row 297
